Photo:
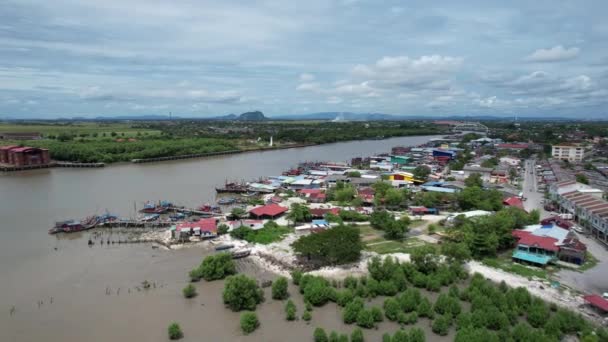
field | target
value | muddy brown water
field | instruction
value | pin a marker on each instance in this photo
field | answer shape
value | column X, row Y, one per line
column 63, row 290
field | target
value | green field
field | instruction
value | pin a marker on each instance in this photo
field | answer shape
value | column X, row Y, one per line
column 78, row 129
column 374, row 241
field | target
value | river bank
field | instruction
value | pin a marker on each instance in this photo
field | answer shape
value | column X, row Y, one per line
column 36, row 266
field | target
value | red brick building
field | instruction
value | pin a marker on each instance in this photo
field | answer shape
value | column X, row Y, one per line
column 24, row 156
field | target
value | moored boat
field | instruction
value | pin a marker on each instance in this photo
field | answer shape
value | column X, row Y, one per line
column 241, row 253
column 224, row 247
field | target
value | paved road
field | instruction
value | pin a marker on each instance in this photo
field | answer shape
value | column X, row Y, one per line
column 594, row 280
column 534, row 199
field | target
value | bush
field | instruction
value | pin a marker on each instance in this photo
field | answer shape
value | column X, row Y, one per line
column 365, row 319
column 307, row 316
column 296, row 275
column 416, row 335
column 333, row 337
column 222, row 229
column 316, row 290
column 214, row 267
column 344, row 297
column 400, row 336
column 425, row 309
column 242, row 293
column 320, row 335
column 351, row 310
column 377, row 314
column 391, row 309
column 357, row 335
column 175, row 331
column 249, row 322
column 351, row 282
column 189, row 291
column 290, row 311
column 409, row 299
column 441, row 325
column 279, row 289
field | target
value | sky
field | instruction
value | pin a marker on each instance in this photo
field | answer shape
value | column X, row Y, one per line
column 202, row 58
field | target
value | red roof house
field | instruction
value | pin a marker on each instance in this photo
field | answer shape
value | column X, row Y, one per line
column 531, row 240
column 514, row 202
column 206, row 226
column 271, row 211
column 320, row 212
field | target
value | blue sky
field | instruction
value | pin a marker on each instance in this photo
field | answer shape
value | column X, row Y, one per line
column 201, row 58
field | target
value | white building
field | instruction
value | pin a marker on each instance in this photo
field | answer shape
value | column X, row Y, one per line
column 571, row 152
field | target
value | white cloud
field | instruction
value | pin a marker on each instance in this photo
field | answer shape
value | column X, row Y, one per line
column 307, row 77
column 403, row 71
column 334, row 100
column 311, row 86
column 555, row 54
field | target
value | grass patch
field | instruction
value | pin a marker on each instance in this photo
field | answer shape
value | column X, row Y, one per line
column 512, row 267
column 417, row 223
column 391, row 246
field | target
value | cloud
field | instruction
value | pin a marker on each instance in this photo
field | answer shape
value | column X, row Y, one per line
column 197, row 95
column 334, row 100
column 405, row 72
column 555, row 54
column 311, row 86
column 307, row 77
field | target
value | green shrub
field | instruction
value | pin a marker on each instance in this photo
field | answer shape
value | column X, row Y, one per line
column 320, row 335
column 279, row 289
column 365, row 319
column 377, row 313
column 214, row 267
column 357, row 335
column 296, row 275
column 307, row 316
column 441, row 325
column 391, row 309
column 242, row 293
column 189, row 291
column 175, row 331
column 333, row 337
column 249, row 322
column 290, row 311
column 351, row 310
column 416, row 335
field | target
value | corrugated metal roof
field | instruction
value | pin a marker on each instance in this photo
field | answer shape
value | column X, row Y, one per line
column 531, row 257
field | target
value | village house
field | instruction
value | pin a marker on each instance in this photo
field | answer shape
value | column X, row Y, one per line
column 270, row 211
column 313, row 195
column 203, row 228
column 540, row 245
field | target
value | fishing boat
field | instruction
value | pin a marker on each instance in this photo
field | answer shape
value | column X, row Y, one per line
column 250, row 194
column 71, row 226
column 235, row 188
column 243, row 253
column 154, row 208
column 226, row 201
column 224, row 247
column 149, row 218
column 209, row 209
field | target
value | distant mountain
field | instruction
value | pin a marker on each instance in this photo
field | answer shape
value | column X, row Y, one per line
column 252, row 116
column 341, row 116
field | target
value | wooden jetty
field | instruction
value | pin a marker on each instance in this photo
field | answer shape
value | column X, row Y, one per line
column 12, row 168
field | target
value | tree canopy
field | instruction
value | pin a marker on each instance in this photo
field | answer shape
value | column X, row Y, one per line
column 338, row 245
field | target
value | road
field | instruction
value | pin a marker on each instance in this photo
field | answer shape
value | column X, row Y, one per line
column 590, row 281
column 534, row 199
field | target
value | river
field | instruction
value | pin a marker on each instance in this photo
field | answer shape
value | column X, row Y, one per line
column 63, row 290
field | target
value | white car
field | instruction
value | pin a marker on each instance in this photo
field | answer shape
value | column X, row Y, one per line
column 578, row 229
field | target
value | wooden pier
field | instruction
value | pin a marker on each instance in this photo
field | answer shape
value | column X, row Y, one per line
column 135, row 224
column 13, row 168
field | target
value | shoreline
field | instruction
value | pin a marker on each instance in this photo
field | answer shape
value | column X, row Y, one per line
column 155, row 160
